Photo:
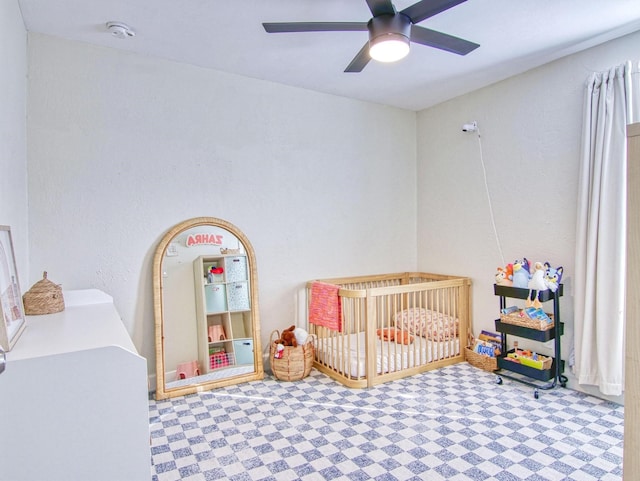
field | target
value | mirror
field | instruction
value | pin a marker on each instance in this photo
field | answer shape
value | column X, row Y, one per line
column 207, row 325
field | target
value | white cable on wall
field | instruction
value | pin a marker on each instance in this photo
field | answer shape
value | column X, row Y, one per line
column 473, row 127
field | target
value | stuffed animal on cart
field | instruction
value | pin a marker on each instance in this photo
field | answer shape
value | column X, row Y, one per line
column 288, row 338
column 552, row 277
column 509, row 269
column 504, row 275
column 537, row 284
column 521, row 273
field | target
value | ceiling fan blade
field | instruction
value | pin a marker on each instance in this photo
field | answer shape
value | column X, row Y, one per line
column 381, row 7
column 360, row 61
column 283, row 27
column 428, row 8
column 440, row 40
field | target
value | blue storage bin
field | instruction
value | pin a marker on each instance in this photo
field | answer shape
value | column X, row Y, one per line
column 238, row 296
column 216, row 298
column 235, row 268
column 243, row 350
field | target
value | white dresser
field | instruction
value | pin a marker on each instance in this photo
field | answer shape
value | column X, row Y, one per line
column 74, row 398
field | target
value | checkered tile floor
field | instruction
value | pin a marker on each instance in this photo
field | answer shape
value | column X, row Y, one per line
column 454, row 423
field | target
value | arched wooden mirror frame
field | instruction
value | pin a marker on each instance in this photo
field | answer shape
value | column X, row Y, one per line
column 162, row 391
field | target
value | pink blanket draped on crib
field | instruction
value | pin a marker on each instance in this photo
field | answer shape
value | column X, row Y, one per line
column 325, row 308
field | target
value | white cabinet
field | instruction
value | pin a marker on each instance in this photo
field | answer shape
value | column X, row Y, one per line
column 74, row 397
column 223, row 312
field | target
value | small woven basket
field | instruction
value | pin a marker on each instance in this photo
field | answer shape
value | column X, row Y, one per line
column 44, row 297
column 524, row 321
column 295, row 363
column 486, row 363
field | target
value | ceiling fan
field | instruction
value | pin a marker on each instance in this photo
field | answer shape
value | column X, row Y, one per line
column 390, row 31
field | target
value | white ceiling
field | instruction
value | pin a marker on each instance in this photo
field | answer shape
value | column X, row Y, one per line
column 514, row 36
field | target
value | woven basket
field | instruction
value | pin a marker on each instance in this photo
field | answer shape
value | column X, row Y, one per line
column 524, row 321
column 295, row 363
column 486, row 363
column 44, row 297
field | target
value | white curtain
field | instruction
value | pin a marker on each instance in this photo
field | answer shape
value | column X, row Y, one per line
column 601, row 229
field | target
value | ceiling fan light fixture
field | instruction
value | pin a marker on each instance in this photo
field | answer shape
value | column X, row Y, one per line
column 389, row 47
column 391, row 33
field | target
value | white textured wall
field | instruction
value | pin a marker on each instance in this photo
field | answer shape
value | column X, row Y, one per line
column 13, row 147
column 122, row 147
column 531, row 128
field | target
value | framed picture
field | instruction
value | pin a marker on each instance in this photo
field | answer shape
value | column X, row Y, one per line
column 13, row 320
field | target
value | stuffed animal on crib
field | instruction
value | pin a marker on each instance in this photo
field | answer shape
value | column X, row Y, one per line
column 552, row 277
column 521, row 273
column 536, row 283
column 395, row 335
column 504, row 275
column 288, row 338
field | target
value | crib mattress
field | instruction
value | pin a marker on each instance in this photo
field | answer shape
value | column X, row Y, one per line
column 351, row 361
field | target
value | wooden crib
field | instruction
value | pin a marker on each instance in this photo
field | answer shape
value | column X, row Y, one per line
column 388, row 326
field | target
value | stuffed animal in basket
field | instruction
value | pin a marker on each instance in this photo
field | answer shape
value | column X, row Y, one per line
column 288, row 337
column 536, row 283
column 279, row 351
column 521, row 273
column 301, row 335
column 552, row 277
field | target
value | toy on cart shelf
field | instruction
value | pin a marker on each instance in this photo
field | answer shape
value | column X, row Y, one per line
column 504, row 275
column 552, row 277
column 536, row 285
column 529, row 358
column 544, row 278
column 531, row 317
column 537, row 278
column 521, row 274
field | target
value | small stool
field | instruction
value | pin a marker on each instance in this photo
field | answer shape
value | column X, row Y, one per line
column 216, row 333
column 187, row 369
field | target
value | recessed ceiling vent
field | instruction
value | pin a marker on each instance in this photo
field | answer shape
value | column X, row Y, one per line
column 120, row 30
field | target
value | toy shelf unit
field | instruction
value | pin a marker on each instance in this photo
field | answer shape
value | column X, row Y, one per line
column 223, row 310
column 548, row 377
